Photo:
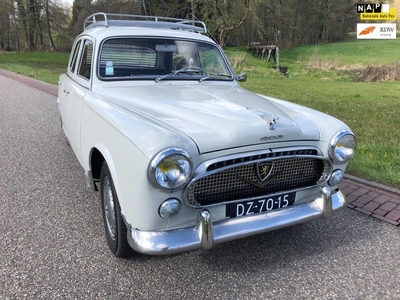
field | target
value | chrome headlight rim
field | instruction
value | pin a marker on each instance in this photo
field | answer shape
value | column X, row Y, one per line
column 333, row 147
column 162, row 156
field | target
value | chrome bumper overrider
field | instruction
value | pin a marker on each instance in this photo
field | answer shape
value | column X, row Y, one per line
column 207, row 234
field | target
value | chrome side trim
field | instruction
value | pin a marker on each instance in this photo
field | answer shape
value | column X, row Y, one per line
column 206, row 234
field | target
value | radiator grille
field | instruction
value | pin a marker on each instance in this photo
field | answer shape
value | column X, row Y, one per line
column 242, row 181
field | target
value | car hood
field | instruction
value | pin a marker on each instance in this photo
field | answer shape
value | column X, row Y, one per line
column 213, row 115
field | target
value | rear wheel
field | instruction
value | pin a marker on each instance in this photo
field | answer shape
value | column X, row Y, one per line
column 113, row 223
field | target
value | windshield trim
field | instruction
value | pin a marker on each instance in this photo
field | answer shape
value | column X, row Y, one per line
column 230, row 75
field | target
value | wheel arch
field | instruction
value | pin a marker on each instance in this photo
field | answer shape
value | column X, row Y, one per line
column 96, row 161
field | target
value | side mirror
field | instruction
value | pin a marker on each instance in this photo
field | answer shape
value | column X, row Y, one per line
column 241, row 77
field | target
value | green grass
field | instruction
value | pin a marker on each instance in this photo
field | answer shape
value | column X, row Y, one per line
column 45, row 66
column 364, row 52
column 321, row 77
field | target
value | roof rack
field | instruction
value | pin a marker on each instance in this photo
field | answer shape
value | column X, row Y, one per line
column 107, row 20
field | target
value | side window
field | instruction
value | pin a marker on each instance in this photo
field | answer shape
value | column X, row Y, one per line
column 72, row 65
column 85, row 65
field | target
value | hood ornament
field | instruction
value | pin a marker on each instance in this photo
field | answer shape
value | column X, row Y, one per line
column 271, row 121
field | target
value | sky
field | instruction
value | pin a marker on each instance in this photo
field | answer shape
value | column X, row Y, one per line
column 68, row 2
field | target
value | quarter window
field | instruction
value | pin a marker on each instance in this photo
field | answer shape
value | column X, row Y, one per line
column 86, row 60
column 74, row 57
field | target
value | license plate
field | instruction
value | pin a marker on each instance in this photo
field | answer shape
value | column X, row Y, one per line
column 258, row 206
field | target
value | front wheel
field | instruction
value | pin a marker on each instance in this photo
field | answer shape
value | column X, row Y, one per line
column 113, row 223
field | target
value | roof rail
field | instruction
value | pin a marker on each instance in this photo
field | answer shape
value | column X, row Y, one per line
column 107, row 20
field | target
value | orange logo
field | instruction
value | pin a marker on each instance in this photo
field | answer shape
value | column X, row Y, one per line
column 367, row 30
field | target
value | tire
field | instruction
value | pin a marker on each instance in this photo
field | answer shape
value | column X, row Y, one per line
column 114, row 225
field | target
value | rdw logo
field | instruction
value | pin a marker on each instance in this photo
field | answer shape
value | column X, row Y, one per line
column 376, row 31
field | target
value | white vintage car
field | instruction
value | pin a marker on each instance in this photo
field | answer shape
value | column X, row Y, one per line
column 185, row 158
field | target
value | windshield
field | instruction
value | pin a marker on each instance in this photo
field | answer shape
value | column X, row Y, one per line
column 161, row 59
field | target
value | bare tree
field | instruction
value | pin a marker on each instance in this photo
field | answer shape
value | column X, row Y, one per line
column 223, row 16
column 51, row 42
column 46, row 24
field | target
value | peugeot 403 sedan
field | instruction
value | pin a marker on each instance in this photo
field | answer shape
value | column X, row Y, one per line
column 183, row 157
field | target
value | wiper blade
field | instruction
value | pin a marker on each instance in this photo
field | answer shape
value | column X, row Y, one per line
column 211, row 75
column 159, row 78
column 188, row 70
column 204, row 78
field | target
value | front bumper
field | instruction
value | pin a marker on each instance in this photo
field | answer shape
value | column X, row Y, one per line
column 207, row 234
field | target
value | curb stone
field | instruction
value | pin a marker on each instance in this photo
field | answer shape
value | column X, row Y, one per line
column 373, row 199
column 32, row 82
column 372, row 184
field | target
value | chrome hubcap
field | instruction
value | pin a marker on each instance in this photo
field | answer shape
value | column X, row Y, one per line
column 109, row 208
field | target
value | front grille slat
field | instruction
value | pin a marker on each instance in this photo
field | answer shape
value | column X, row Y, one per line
column 233, row 183
column 268, row 155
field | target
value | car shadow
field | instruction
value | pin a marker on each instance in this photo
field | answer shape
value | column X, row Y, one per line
column 311, row 240
column 281, row 247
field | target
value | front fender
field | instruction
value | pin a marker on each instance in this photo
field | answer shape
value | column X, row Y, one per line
column 128, row 162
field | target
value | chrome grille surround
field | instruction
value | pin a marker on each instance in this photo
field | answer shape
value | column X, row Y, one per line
column 235, row 178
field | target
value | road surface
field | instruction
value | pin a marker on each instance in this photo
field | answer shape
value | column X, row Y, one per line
column 53, row 244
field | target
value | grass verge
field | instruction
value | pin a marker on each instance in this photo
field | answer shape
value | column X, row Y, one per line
column 45, row 66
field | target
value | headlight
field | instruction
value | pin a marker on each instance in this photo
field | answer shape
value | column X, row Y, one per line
column 170, row 170
column 342, row 147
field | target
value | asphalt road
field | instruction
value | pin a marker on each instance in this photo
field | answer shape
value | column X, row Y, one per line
column 53, row 244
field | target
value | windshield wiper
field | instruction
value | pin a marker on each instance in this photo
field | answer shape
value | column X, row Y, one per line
column 187, row 70
column 211, row 75
column 159, row 78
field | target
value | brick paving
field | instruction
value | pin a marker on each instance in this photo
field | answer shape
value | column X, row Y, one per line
column 372, row 199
